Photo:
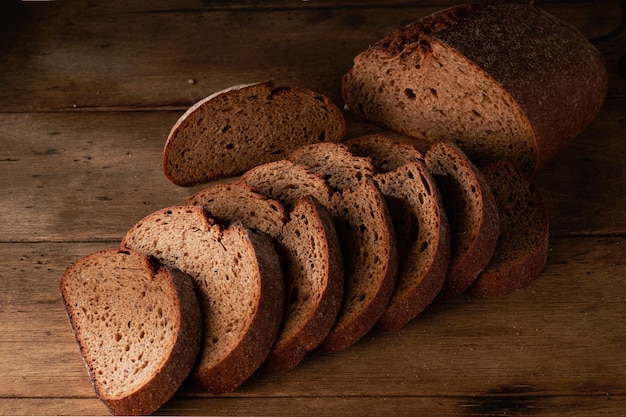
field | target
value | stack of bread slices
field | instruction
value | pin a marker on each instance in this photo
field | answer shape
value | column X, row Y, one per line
column 317, row 239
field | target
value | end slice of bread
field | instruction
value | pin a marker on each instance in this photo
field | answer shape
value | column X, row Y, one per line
column 420, row 223
column 137, row 357
column 472, row 213
column 310, row 256
column 522, row 248
column 240, row 287
column 236, row 129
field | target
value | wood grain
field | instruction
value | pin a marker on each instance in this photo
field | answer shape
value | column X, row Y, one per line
column 88, row 93
column 143, row 57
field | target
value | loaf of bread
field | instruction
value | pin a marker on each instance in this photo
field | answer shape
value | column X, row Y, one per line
column 136, row 357
column 420, row 224
column 366, row 235
column 522, row 248
column 236, row 129
column 240, row 285
column 309, row 250
column 502, row 80
column 472, row 213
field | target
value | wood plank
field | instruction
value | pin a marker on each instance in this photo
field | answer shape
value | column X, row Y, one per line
column 562, row 335
column 496, row 404
column 583, row 185
column 130, row 59
column 59, row 169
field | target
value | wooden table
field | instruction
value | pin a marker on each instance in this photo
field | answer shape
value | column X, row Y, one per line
column 88, row 93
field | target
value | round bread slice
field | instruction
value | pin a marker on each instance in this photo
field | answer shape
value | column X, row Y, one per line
column 137, row 324
column 472, row 213
column 420, row 223
column 504, row 80
column 522, row 248
column 240, row 286
column 365, row 233
column 310, row 256
column 243, row 126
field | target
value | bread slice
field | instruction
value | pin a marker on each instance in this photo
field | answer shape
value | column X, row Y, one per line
column 522, row 248
column 238, row 128
column 311, row 259
column 238, row 276
column 287, row 182
column 472, row 213
column 366, row 235
column 137, row 357
column 420, row 224
column 502, row 80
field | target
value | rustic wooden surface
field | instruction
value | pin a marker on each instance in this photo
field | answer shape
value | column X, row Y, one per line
column 88, row 93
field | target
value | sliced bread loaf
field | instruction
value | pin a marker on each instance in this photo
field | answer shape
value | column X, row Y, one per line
column 503, row 80
column 522, row 248
column 137, row 324
column 365, row 233
column 235, row 129
column 310, row 256
column 472, row 213
column 420, row 223
column 240, row 285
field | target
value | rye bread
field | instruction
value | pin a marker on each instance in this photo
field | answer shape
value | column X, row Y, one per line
column 365, row 233
column 502, row 80
column 471, row 211
column 243, row 126
column 137, row 324
column 311, row 262
column 420, row 224
column 240, row 286
column 522, row 248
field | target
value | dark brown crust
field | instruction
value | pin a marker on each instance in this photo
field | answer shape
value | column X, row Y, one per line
column 182, row 358
column 519, row 271
column 464, row 269
column 562, row 81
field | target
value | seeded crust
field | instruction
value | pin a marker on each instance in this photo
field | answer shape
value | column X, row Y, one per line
column 307, row 243
column 366, row 234
column 471, row 211
column 502, row 80
column 137, row 357
column 240, row 285
column 236, row 129
column 420, row 223
column 522, row 248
